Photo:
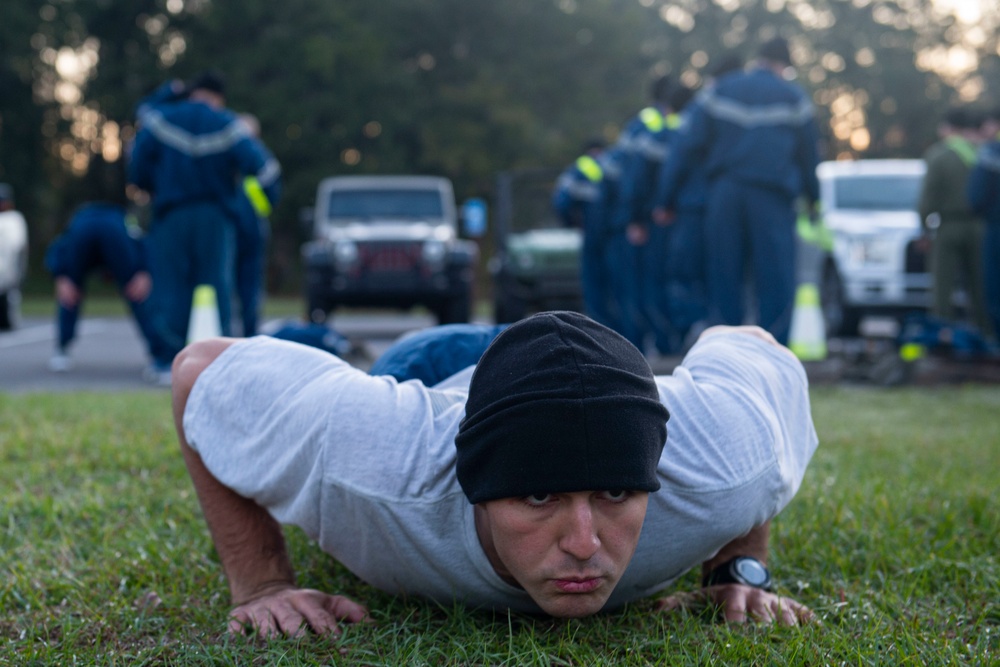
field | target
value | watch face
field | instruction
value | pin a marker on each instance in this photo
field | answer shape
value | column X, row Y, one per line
column 751, row 571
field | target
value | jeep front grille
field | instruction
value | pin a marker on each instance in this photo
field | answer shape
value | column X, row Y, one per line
column 382, row 257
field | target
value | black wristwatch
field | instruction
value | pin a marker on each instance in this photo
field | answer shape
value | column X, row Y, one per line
column 740, row 570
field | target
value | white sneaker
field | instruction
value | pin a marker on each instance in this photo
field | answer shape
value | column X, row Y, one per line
column 60, row 363
column 156, row 375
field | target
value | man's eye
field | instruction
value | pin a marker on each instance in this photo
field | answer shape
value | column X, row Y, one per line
column 538, row 499
column 616, row 495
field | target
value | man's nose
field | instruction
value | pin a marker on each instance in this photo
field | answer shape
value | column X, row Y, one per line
column 579, row 538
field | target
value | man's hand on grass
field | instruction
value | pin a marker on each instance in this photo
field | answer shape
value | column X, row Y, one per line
column 293, row 612
column 739, row 604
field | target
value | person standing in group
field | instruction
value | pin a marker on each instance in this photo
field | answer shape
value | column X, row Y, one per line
column 687, row 299
column 984, row 196
column 954, row 229
column 757, row 134
column 100, row 238
column 579, row 202
column 640, row 246
column 191, row 155
column 252, row 233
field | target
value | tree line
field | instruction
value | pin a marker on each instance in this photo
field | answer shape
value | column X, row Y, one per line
column 460, row 88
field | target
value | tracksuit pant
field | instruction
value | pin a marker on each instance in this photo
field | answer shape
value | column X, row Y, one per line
column 745, row 223
column 190, row 245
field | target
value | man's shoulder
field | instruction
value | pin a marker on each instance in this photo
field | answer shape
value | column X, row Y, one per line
column 759, row 86
column 988, row 160
column 991, row 150
column 196, row 115
column 941, row 150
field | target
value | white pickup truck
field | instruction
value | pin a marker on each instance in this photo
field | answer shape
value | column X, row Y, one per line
column 878, row 265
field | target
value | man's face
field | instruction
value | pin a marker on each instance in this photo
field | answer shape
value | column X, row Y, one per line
column 567, row 550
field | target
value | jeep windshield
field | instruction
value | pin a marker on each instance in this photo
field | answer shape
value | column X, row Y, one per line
column 889, row 192
column 345, row 205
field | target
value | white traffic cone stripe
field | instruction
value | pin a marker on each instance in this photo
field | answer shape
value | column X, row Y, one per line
column 807, row 338
column 204, row 322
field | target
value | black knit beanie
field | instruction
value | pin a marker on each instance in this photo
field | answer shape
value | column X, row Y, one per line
column 559, row 403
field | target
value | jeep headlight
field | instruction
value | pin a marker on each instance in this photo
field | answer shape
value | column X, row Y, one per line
column 869, row 251
column 345, row 253
column 433, row 253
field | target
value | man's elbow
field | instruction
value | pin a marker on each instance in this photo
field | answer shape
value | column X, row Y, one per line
column 746, row 329
column 188, row 365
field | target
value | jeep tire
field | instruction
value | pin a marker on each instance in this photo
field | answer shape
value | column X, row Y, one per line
column 457, row 310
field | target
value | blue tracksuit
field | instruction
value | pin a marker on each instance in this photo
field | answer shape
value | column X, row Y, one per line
column 578, row 199
column 252, row 232
column 97, row 239
column 436, row 353
column 757, row 137
column 641, row 280
column 191, row 158
column 687, row 298
column 984, row 197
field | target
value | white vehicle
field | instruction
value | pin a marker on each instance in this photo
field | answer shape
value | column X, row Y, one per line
column 13, row 258
column 877, row 265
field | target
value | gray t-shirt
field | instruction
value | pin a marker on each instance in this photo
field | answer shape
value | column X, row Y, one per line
column 366, row 465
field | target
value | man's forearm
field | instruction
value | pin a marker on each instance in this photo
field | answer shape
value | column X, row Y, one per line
column 250, row 543
column 754, row 543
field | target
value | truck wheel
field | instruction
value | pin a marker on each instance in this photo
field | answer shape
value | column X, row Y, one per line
column 508, row 309
column 10, row 310
column 841, row 320
column 456, row 311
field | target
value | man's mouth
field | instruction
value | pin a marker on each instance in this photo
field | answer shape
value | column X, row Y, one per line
column 578, row 584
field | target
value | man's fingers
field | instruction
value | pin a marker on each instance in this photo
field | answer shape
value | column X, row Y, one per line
column 294, row 613
column 324, row 615
column 764, row 607
column 245, row 621
column 289, row 617
column 679, row 601
column 321, row 616
column 237, row 625
column 741, row 604
column 788, row 613
column 735, row 605
column 346, row 609
column 265, row 621
column 806, row 615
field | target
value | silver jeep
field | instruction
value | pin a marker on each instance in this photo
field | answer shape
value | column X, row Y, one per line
column 388, row 241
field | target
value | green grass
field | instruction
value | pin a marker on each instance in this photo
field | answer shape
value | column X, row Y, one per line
column 893, row 540
column 105, row 303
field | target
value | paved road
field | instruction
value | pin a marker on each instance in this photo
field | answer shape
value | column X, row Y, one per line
column 108, row 354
